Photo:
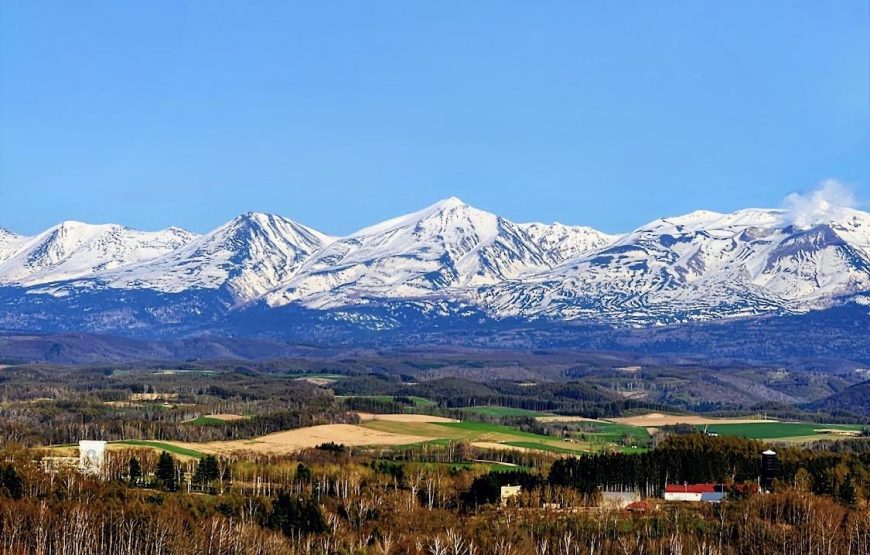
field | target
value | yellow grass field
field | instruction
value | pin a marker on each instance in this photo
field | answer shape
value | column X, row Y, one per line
column 404, row 417
column 318, row 381
column 558, row 418
column 226, row 417
column 286, row 442
column 657, row 419
column 499, row 446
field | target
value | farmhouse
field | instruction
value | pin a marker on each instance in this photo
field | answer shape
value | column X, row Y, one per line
column 712, row 493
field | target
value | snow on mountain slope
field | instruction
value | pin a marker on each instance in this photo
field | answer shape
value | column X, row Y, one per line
column 852, row 225
column 247, row 256
column 73, row 249
column 701, row 265
column 9, row 243
column 447, row 246
column 563, row 242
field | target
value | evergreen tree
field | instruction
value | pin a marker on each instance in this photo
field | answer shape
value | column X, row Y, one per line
column 847, row 494
column 11, row 482
column 134, row 470
column 207, row 470
column 303, row 474
column 487, row 488
column 166, row 472
column 294, row 516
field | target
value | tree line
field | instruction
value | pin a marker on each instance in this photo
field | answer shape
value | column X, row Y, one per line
column 347, row 501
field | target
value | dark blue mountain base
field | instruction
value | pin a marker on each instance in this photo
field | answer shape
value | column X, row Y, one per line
column 208, row 316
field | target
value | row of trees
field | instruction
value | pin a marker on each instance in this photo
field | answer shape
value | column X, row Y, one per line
column 339, row 500
column 51, row 423
column 210, row 475
column 844, row 476
column 358, row 507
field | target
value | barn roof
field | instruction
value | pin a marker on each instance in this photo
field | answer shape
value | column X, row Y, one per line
column 690, row 488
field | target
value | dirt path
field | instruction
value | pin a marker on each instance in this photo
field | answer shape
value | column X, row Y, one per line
column 484, row 461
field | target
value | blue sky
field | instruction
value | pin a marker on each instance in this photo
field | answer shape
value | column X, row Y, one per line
column 341, row 114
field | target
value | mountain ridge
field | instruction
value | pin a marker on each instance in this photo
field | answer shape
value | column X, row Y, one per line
column 447, row 258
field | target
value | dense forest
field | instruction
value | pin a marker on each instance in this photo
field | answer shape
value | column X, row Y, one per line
column 583, row 383
column 47, row 405
column 337, row 500
column 437, row 498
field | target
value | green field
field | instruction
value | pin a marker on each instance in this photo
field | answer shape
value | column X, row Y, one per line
column 538, row 446
column 501, row 411
column 421, row 401
column 207, row 421
column 485, row 429
column 612, row 432
column 417, row 401
column 478, row 432
column 778, row 430
column 433, row 442
column 160, row 445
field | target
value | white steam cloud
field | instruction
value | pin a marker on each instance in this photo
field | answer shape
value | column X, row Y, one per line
column 819, row 206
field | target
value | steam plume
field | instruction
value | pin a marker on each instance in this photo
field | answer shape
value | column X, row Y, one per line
column 818, row 206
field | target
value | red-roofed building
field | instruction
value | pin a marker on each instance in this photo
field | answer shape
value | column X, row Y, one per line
column 691, row 492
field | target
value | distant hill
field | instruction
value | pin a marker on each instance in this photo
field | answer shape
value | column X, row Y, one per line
column 825, row 341
column 86, row 348
column 855, row 399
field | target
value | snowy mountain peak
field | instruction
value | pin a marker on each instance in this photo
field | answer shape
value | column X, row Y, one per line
column 702, row 265
column 446, row 245
column 247, row 256
column 275, row 228
column 564, row 242
column 440, row 209
column 6, row 235
column 706, row 220
column 74, row 249
column 699, row 265
column 8, row 244
column 448, row 203
column 259, row 218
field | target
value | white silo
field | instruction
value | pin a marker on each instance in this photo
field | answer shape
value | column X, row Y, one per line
column 92, row 454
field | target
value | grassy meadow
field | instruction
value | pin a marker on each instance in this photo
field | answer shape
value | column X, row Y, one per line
column 785, row 431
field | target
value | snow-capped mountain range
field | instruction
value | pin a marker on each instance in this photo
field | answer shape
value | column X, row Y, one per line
column 72, row 250
column 704, row 265
column 698, row 266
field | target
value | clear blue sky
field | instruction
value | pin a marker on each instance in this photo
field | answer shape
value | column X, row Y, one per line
column 340, row 114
